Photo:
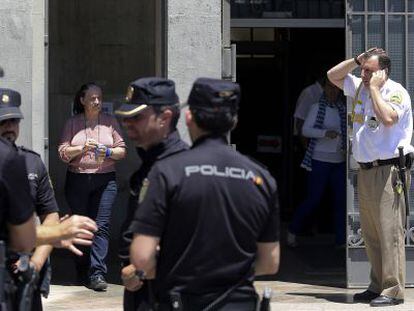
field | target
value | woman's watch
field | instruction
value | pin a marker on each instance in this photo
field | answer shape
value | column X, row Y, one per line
column 108, row 152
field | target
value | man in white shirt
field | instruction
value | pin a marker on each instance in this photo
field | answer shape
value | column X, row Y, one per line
column 382, row 122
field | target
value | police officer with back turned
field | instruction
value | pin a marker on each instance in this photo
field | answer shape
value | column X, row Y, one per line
column 212, row 211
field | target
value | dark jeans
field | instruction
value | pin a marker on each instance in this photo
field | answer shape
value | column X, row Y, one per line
column 133, row 300
column 93, row 195
column 324, row 175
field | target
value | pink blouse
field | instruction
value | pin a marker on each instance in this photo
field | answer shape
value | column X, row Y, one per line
column 75, row 133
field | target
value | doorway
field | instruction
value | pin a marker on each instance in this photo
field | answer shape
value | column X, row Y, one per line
column 273, row 66
column 112, row 44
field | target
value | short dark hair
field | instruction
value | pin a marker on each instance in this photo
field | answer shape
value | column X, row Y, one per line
column 175, row 109
column 77, row 104
column 219, row 121
column 384, row 60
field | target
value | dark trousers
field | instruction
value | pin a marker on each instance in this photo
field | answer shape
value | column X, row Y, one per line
column 228, row 306
column 324, row 175
column 134, row 300
column 37, row 301
column 93, row 195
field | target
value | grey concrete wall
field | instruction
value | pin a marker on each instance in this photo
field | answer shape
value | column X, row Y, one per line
column 193, row 44
column 22, row 57
column 108, row 41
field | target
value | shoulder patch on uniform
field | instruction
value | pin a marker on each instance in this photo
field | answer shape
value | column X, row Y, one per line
column 28, row 150
column 144, row 189
column 396, row 97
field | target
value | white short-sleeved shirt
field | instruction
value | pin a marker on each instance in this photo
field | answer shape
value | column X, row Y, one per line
column 381, row 142
column 326, row 149
column 309, row 96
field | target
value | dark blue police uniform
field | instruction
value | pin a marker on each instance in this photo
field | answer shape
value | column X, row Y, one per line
column 41, row 190
column 16, row 204
column 209, row 206
column 171, row 145
column 143, row 92
column 45, row 203
column 40, row 184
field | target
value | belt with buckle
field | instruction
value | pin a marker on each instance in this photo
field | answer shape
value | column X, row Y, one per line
column 376, row 163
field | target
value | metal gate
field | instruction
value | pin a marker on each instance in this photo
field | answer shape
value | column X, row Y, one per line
column 388, row 24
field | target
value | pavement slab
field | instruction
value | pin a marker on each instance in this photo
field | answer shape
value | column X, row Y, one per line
column 287, row 297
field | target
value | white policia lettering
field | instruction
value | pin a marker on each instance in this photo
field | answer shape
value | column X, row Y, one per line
column 212, row 170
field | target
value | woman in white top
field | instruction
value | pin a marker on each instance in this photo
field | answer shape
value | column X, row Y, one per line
column 325, row 125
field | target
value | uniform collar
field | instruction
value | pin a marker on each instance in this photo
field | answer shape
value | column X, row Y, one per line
column 171, row 144
column 210, row 137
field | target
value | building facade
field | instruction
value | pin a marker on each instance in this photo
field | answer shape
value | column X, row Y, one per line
column 272, row 47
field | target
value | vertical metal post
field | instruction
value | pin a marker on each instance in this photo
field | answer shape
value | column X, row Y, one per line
column 46, row 78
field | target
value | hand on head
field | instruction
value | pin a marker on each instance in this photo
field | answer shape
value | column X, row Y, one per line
column 370, row 52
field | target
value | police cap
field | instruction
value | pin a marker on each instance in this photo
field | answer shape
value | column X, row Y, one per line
column 144, row 92
column 10, row 101
column 210, row 93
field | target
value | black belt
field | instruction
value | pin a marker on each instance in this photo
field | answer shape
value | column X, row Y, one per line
column 393, row 161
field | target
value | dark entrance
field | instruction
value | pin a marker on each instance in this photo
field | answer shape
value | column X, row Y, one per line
column 273, row 66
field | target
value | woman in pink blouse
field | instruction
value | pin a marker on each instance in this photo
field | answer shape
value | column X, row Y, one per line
column 91, row 143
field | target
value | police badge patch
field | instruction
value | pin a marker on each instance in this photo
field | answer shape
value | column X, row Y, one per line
column 5, row 99
column 396, row 98
column 129, row 94
column 372, row 123
column 143, row 191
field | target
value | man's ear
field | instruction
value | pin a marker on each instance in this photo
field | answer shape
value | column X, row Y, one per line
column 166, row 117
column 188, row 117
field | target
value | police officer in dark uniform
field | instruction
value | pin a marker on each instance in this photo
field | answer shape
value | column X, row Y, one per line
column 17, row 226
column 16, row 211
column 40, row 189
column 212, row 211
column 150, row 117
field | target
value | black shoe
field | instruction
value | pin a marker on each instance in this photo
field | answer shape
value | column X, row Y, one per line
column 97, row 283
column 365, row 296
column 383, row 301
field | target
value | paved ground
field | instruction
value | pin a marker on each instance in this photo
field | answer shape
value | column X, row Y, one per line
column 311, row 278
column 288, row 296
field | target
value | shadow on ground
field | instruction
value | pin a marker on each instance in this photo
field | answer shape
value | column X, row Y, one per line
column 316, row 261
column 334, row 297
